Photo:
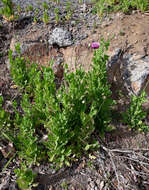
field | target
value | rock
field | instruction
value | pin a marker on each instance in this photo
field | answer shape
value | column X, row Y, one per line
column 39, row 187
column 8, row 151
column 13, row 186
column 73, row 23
column 58, row 68
column 135, row 73
column 38, row 52
column 78, row 55
column 129, row 71
column 32, row 48
column 113, row 66
column 60, row 37
column 4, row 182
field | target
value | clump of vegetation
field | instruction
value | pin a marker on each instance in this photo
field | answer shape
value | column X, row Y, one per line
column 134, row 115
column 45, row 5
column 57, row 14
column 68, row 116
column 26, row 177
column 69, row 11
column 29, row 8
column 106, row 6
column 46, row 17
column 8, row 10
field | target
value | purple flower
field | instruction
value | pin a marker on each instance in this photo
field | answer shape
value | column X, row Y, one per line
column 95, row 45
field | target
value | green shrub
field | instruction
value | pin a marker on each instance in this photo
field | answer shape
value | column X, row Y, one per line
column 25, row 177
column 134, row 115
column 69, row 114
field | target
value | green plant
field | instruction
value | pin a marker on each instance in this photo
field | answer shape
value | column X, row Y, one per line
column 36, row 11
column 126, row 5
column 25, row 177
column 35, row 19
column 29, row 8
column 19, row 72
column 57, row 17
column 134, row 115
column 6, row 124
column 19, row 9
column 80, row 1
column 4, row 117
column 69, row 10
column 58, row 2
column 102, row 7
column 45, row 5
column 45, row 17
column 64, row 185
column 70, row 115
column 141, row 5
column 8, row 9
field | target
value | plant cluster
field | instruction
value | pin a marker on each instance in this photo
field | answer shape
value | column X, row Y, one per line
column 135, row 115
column 7, row 10
column 58, row 125
column 57, row 16
column 100, row 7
column 105, row 6
column 69, row 10
column 69, row 115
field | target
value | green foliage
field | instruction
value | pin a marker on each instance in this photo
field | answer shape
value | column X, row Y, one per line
column 106, row 6
column 134, row 115
column 6, row 124
column 8, row 9
column 45, row 17
column 69, row 10
column 18, row 68
column 29, row 8
column 45, row 5
column 69, row 115
column 25, row 177
column 57, row 16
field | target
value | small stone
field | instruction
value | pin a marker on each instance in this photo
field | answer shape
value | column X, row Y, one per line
column 101, row 185
column 73, row 23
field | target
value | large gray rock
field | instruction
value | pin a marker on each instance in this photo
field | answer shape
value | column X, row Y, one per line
column 61, row 37
column 135, row 73
column 129, row 71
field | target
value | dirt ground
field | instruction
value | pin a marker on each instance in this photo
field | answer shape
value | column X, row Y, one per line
column 122, row 161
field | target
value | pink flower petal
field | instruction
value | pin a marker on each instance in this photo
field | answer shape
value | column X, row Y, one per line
column 95, row 45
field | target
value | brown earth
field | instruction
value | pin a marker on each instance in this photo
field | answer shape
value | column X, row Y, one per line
column 123, row 31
